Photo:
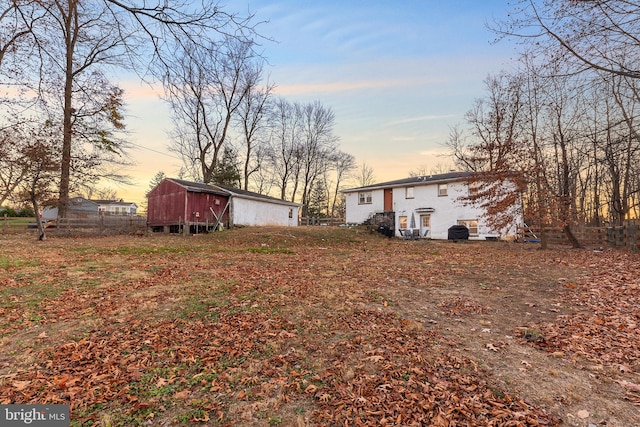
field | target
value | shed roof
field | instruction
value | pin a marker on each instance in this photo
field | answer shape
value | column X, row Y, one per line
column 225, row 190
column 415, row 180
column 251, row 195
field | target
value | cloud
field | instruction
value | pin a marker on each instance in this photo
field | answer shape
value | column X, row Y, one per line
column 341, row 86
column 329, row 87
column 429, row 117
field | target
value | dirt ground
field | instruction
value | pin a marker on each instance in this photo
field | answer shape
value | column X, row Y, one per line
column 496, row 316
column 319, row 326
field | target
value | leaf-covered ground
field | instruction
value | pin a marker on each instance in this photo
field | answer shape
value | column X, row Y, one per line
column 319, row 326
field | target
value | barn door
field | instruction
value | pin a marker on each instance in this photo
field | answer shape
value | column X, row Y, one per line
column 388, row 199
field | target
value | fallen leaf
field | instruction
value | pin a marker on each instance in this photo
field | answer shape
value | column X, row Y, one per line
column 629, row 385
column 582, row 414
column 20, row 385
column 182, row 394
column 324, row 397
column 204, row 419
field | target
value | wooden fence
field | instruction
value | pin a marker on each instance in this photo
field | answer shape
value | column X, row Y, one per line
column 100, row 225
column 626, row 236
column 321, row 221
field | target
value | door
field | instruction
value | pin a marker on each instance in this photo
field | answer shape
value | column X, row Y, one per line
column 425, row 226
column 388, row 199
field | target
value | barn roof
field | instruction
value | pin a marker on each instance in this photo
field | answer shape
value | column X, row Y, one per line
column 198, row 187
column 415, row 180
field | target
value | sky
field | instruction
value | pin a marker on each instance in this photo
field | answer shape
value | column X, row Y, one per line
column 398, row 75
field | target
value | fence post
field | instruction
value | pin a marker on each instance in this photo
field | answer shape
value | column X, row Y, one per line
column 632, row 231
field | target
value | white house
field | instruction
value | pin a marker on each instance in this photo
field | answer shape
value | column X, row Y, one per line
column 79, row 207
column 425, row 205
column 116, row 207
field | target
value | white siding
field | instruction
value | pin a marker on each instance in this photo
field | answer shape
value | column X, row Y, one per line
column 249, row 212
column 444, row 211
column 357, row 213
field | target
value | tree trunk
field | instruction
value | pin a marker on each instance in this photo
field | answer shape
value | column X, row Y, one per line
column 34, row 204
column 65, row 168
column 544, row 240
column 571, row 237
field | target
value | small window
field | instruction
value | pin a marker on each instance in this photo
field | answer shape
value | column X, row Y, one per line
column 471, row 224
column 474, row 188
column 442, row 189
column 402, row 220
column 408, row 193
column 290, row 212
column 364, row 198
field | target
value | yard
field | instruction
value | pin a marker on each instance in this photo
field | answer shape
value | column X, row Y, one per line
column 319, row 326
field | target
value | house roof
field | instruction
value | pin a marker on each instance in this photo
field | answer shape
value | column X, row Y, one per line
column 415, row 180
column 224, row 190
column 119, row 202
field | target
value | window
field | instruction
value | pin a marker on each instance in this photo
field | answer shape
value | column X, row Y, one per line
column 471, row 224
column 290, row 212
column 364, row 198
column 474, row 187
column 403, row 221
column 408, row 193
column 426, row 221
column 442, row 189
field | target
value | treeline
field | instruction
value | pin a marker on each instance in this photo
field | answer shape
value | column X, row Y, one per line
column 62, row 120
column 228, row 127
column 562, row 123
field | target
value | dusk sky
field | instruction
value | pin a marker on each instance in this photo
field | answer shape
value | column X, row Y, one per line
column 398, row 75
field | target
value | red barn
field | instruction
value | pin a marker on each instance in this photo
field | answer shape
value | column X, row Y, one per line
column 179, row 206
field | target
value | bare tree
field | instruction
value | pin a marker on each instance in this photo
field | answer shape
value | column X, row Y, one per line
column 205, row 96
column 598, row 34
column 12, row 168
column 365, row 175
column 342, row 164
column 317, row 145
column 437, row 169
column 253, row 115
column 76, row 42
column 284, row 146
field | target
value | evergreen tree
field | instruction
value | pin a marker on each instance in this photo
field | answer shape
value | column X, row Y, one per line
column 227, row 171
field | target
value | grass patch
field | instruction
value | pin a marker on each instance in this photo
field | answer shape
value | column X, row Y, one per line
column 30, row 295
column 133, row 250
column 206, row 300
column 8, row 262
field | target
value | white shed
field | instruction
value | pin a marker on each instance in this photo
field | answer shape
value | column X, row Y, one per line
column 251, row 209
